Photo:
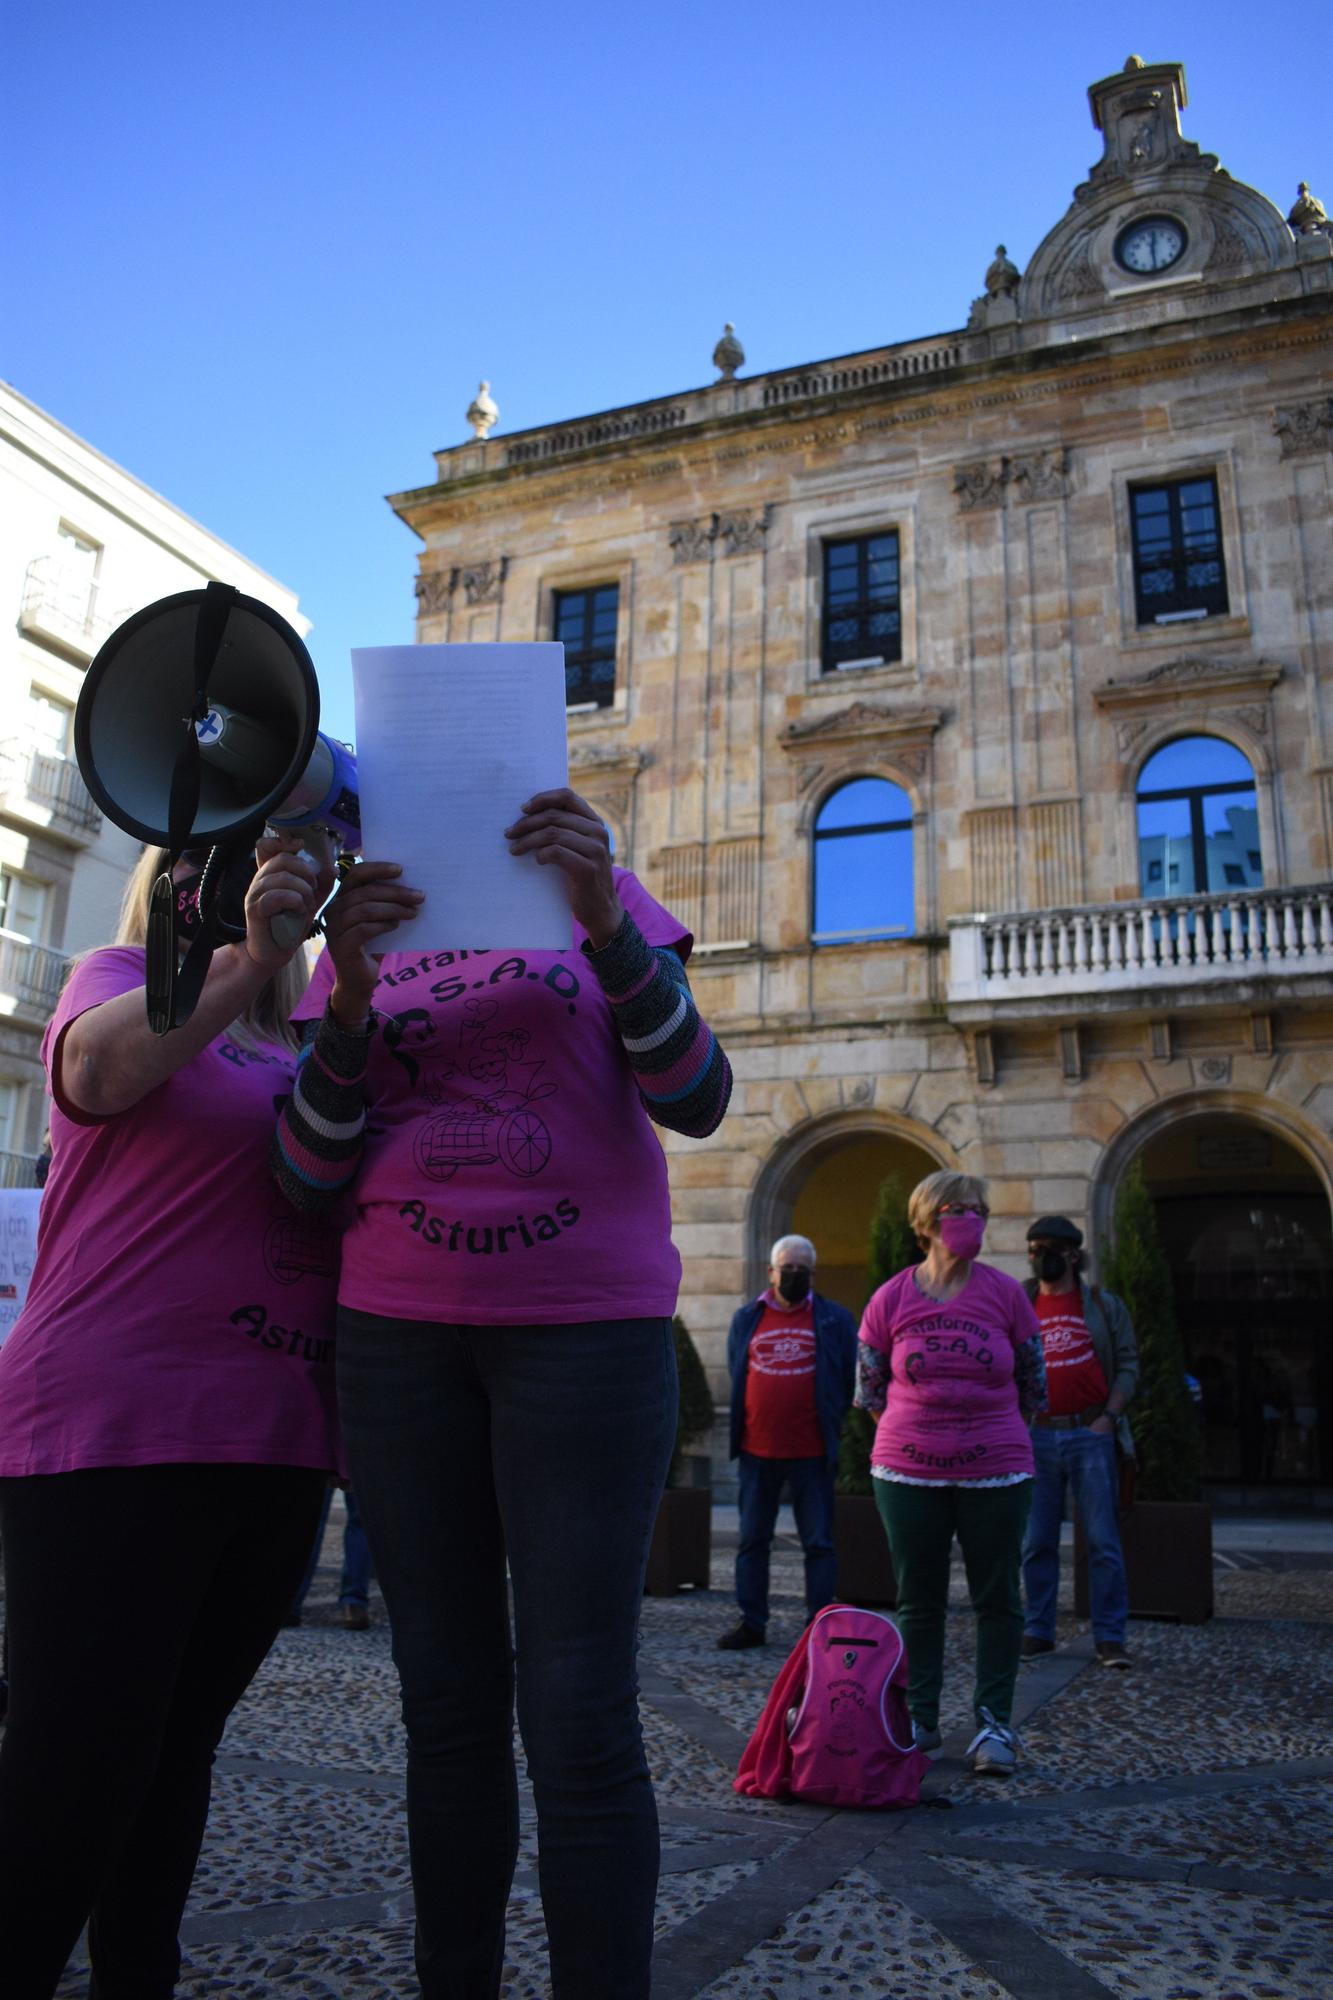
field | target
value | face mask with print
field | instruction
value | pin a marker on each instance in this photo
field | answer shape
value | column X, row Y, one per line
column 962, row 1235
column 793, row 1284
column 187, row 918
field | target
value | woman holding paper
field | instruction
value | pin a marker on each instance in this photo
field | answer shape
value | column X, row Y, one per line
column 164, row 1442
column 506, row 1372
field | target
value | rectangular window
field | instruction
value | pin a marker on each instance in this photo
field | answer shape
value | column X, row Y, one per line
column 862, row 603
column 1179, row 572
column 22, row 906
column 585, row 625
column 50, row 724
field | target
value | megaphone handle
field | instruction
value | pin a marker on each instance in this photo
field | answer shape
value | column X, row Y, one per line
column 289, row 927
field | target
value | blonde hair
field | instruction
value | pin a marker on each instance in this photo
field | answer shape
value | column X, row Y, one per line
column 268, row 1018
column 935, row 1192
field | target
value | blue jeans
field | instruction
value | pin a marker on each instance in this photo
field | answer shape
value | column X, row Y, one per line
column 761, row 1481
column 547, row 1445
column 1085, row 1462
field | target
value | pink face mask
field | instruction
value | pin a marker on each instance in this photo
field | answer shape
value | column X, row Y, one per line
column 961, row 1235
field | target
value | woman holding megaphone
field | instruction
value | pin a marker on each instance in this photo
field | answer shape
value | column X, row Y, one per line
column 166, row 1432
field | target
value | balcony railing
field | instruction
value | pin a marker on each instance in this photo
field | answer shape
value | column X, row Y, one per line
column 18, row 1170
column 31, row 975
column 51, row 783
column 1171, row 941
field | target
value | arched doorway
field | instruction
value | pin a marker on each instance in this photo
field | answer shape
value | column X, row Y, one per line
column 1245, row 1222
column 824, row 1184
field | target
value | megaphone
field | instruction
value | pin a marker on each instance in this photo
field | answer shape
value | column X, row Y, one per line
column 197, row 725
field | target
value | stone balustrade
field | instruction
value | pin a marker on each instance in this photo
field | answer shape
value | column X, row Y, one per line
column 1117, row 947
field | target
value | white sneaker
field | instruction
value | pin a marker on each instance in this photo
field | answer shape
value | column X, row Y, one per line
column 924, row 1738
column 993, row 1749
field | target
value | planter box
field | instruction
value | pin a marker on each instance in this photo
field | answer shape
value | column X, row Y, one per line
column 865, row 1571
column 1168, row 1547
column 682, row 1543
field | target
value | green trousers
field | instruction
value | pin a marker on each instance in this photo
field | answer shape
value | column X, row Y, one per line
column 921, row 1522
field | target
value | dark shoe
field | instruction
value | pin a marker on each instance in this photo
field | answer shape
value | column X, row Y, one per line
column 740, row 1637
column 1033, row 1647
column 1110, row 1653
column 353, row 1617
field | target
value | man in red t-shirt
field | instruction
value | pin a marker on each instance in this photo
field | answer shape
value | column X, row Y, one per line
column 792, row 1357
column 1091, row 1371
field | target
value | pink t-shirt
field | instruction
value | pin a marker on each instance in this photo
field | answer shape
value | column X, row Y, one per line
column 179, row 1311
column 952, row 1411
column 511, row 1174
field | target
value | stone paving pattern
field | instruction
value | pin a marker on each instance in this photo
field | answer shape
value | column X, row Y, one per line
column 1168, row 1834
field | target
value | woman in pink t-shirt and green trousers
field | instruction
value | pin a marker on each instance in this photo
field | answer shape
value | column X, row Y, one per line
column 950, row 1359
column 506, row 1372
column 167, row 1430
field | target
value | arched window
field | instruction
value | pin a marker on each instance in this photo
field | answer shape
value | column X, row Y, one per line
column 1198, row 820
column 863, row 863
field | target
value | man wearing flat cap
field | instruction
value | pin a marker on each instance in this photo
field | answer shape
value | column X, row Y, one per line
column 1092, row 1368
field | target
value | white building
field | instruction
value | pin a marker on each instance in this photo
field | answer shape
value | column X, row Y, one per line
column 82, row 545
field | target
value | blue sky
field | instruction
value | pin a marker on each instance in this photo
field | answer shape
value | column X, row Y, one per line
column 261, row 255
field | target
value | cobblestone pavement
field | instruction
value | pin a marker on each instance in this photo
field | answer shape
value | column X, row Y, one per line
column 1168, row 1835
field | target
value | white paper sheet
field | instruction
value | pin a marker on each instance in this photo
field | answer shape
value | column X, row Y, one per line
column 450, row 742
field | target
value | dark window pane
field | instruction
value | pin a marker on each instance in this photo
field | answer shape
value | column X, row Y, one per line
column 1178, row 565
column 862, row 619
column 1164, row 845
column 585, row 624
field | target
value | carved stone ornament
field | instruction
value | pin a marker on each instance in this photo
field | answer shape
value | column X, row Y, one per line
column 692, row 541
column 433, row 588
column 483, row 583
column 1307, row 216
column 728, row 355
column 608, row 760
column 744, row 534
column 1215, row 1069
column 1230, row 250
column 1043, row 475
column 1079, row 280
column 1192, row 677
column 981, row 484
column 1303, row 427
column 482, row 412
column 1138, row 112
column 861, row 721
column 1002, row 276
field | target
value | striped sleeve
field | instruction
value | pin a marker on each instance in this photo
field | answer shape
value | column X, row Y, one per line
column 683, row 1075
column 317, row 1147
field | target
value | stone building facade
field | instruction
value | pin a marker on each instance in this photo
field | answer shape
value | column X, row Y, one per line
column 1001, row 571
column 82, row 545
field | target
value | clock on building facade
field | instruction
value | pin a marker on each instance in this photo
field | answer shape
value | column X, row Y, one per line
column 1152, row 245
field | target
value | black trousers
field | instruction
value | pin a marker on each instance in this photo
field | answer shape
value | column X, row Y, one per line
column 140, row 1604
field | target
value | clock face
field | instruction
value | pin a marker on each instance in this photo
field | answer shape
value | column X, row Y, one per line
column 1151, row 245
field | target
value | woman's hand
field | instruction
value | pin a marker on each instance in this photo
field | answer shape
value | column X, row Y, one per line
column 371, row 903
column 561, row 829
column 287, row 881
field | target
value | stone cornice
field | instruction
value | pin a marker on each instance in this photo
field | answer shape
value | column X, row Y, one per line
column 1190, row 675
column 608, row 760
column 728, row 440
column 863, row 721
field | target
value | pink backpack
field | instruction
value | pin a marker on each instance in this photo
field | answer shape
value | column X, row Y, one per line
column 835, row 1728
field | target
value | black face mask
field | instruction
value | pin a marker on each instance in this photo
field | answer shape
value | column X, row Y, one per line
column 1050, row 1265
column 793, row 1284
column 187, row 918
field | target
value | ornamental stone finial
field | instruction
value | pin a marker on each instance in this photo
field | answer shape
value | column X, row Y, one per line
column 1307, row 215
column 1001, row 275
column 482, row 412
column 728, row 355
column 1135, row 62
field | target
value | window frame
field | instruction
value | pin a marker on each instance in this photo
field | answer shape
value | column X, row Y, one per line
column 864, row 606
column 908, row 827
column 1183, row 606
column 562, row 595
column 1193, row 797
